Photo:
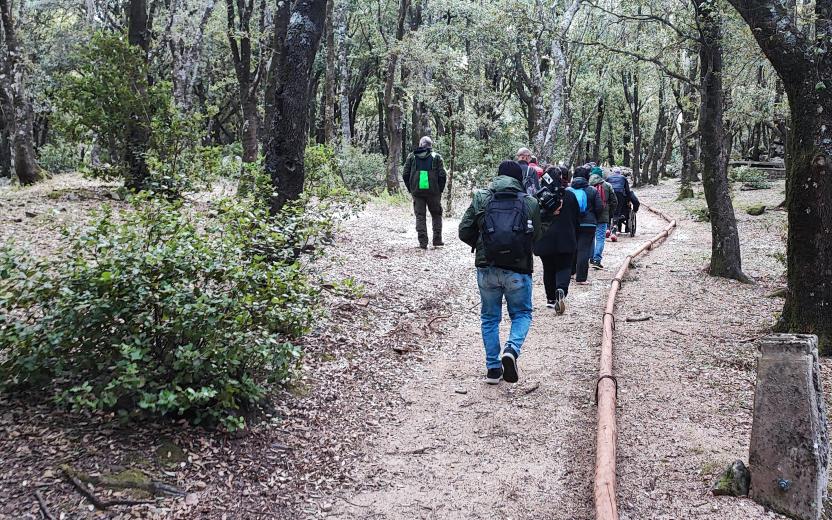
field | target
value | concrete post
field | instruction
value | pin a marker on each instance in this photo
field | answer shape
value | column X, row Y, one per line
column 789, row 442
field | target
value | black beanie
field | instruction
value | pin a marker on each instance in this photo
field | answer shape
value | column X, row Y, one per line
column 510, row 169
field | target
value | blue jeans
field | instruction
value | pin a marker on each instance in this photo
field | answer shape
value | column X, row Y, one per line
column 496, row 283
column 600, row 239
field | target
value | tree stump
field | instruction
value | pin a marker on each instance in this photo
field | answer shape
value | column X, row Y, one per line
column 789, row 440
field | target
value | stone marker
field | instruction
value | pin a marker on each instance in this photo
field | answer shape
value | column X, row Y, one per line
column 733, row 482
column 789, row 444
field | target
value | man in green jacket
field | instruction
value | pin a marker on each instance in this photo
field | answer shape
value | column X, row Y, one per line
column 504, row 273
column 424, row 177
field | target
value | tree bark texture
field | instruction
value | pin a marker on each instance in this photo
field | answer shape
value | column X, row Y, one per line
column 329, row 80
column 545, row 142
column 16, row 104
column 805, row 67
column 238, row 31
column 341, row 21
column 725, row 246
column 290, row 125
column 138, row 127
column 394, row 111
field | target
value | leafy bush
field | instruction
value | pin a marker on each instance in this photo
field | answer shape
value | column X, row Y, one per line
column 178, row 165
column 363, row 171
column 158, row 312
column 59, row 157
column 750, row 178
column 108, row 88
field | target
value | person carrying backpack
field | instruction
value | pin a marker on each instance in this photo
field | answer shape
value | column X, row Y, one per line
column 621, row 188
column 531, row 180
column 610, row 204
column 556, row 248
column 424, row 177
column 501, row 225
column 589, row 209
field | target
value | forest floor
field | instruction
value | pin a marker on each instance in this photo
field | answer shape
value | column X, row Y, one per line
column 390, row 418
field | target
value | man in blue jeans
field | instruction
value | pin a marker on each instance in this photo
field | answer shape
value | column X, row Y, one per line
column 503, row 272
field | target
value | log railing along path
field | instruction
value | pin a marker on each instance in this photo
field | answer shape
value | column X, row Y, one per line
column 606, row 503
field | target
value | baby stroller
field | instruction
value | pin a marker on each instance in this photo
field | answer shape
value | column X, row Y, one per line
column 625, row 220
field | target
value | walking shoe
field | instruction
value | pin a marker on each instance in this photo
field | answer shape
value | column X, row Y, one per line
column 560, row 304
column 437, row 245
column 550, row 304
column 493, row 376
column 596, row 264
column 609, row 232
column 509, row 359
column 585, row 282
column 423, row 246
column 613, row 238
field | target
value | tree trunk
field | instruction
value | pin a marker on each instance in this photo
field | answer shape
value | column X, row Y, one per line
column 329, row 89
column 394, row 115
column 807, row 77
column 275, row 64
column 341, row 20
column 546, row 138
column 138, row 128
column 290, row 126
column 725, row 247
column 610, row 147
column 450, row 187
column 16, row 103
column 599, row 126
column 5, row 150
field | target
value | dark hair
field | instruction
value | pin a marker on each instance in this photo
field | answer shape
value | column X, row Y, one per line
column 533, row 160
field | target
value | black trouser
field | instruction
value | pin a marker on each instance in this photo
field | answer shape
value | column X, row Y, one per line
column 586, row 246
column 421, row 205
column 557, row 271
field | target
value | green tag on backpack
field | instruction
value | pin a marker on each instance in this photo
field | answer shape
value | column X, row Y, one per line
column 424, row 183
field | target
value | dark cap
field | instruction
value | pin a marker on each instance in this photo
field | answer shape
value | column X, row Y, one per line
column 510, row 169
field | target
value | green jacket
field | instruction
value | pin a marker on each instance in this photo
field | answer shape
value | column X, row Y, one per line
column 438, row 174
column 469, row 226
column 612, row 202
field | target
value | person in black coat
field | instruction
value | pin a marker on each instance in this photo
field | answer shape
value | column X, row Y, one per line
column 556, row 248
column 587, row 221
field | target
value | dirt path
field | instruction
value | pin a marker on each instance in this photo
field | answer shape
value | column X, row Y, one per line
column 457, row 448
column 390, row 418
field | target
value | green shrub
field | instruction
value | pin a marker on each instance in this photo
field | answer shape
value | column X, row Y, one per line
column 363, row 171
column 157, row 311
column 751, row 178
column 59, row 157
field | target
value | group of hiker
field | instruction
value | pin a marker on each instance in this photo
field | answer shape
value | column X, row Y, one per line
column 562, row 216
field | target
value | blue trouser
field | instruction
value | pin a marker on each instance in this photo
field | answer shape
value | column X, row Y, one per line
column 600, row 238
column 494, row 284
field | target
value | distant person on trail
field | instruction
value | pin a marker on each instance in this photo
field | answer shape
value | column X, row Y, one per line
column 534, row 164
column 610, row 204
column 589, row 211
column 501, row 225
column 531, row 181
column 556, row 248
column 621, row 186
column 424, row 177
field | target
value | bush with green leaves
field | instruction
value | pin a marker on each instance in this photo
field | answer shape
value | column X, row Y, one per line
column 102, row 96
column 362, row 171
column 751, row 178
column 59, row 157
column 161, row 311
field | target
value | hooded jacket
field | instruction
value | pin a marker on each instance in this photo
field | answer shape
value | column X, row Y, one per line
column 559, row 235
column 594, row 207
column 438, row 167
column 469, row 226
column 619, row 183
column 612, row 200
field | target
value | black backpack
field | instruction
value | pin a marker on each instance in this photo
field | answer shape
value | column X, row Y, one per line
column 423, row 178
column 507, row 235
